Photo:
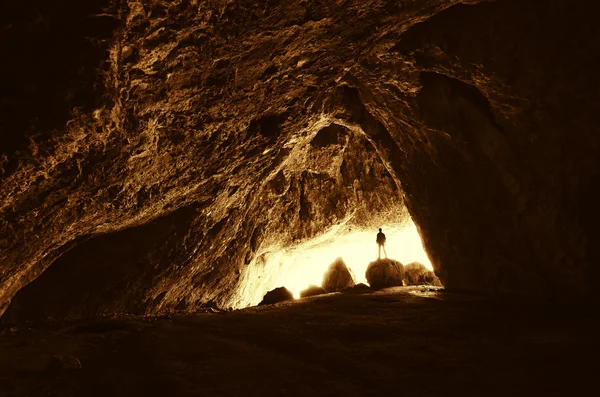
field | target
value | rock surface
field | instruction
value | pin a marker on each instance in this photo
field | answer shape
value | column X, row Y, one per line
column 338, row 277
column 416, row 273
column 218, row 130
column 384, row 273
column 277, row 295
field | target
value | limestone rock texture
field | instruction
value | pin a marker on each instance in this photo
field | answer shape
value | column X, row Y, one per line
column 210, row 133
column 384, row 273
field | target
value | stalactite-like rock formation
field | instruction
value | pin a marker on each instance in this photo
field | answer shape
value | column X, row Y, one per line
column 224, row 128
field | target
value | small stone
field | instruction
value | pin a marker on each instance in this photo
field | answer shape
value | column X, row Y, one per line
column 357, row 289
column 277, row 295
column 312, row 290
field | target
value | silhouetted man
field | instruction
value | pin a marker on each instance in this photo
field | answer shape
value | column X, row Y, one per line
column 381, row 243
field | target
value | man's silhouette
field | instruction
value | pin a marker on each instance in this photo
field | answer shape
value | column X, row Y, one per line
column 381, row 243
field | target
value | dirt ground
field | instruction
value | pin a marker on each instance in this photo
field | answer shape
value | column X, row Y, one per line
column 401, row 341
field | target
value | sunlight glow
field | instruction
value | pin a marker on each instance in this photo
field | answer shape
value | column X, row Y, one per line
column 307, row 263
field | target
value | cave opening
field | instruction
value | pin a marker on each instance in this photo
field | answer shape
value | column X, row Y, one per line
column 304, row 265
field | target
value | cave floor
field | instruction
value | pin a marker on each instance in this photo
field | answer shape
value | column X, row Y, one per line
column 400, row 341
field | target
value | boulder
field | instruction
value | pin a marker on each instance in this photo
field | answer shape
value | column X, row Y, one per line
column 277, row 295
column 431, row 279
column 312, row 290
column 338, row 277
column 416, row 273
column 384, row 273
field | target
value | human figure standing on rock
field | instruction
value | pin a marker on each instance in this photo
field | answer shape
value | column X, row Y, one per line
column 381, row 243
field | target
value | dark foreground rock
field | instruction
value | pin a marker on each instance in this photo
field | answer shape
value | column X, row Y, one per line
column 384, row 273
column 416, row 273
column 312, row 290
column 338, row 277
column 277, row 295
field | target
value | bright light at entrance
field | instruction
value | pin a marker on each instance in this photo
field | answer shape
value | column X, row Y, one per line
column 306, row 264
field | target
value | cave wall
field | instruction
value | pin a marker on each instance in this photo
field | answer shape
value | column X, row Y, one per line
column 52, row 53
column 264, row 123
column 177, row 262
column 518, row 106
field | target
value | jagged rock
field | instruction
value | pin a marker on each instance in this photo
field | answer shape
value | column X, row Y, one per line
column 312, row 290
column 357, row 289
column 277, row 295
column 63, row 363
column 384, row 273
column 416, row 273
column 338, row 277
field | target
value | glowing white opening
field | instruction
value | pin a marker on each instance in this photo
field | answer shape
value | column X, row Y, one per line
column 306, row 264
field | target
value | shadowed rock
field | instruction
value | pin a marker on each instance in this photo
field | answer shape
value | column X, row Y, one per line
column 357, row 289
column 384, row 273
column 338, row 277
column 277, row 295
column 416, row 273
column 312, row 290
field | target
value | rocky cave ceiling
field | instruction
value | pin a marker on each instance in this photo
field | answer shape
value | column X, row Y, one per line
column 153, row 151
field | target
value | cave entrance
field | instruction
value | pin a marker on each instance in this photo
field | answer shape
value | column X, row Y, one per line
column 305, row 264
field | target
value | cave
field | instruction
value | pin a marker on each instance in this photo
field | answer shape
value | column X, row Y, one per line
column 166, row 164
